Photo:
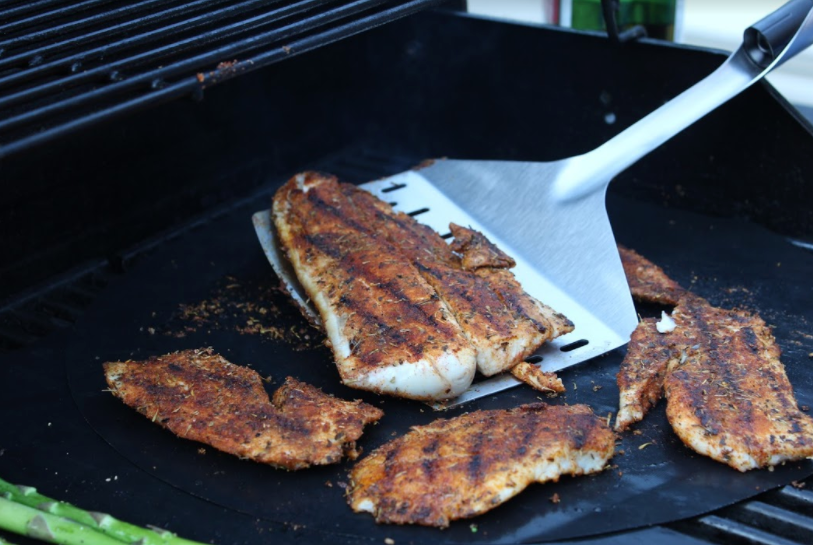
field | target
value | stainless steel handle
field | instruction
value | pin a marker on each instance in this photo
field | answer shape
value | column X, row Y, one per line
column 766, row 45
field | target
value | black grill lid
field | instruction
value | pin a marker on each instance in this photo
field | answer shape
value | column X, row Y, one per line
column 66, row 65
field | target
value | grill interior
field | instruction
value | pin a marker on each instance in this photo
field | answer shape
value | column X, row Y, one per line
column 777, row 517
column 66, row 65
column 223, row 155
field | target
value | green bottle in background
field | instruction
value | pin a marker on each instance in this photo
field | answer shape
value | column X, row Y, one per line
column 657, row 16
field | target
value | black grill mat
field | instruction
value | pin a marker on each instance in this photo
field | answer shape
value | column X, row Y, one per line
column 656, row 480
column 729, row 262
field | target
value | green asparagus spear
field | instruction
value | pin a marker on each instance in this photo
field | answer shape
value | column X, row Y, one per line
column 31, row 522
column 26, row 495
column 99, row 522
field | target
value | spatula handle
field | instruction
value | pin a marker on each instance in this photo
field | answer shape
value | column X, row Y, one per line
column 766, row 45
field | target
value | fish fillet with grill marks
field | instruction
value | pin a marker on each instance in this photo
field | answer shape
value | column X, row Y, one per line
column 465, row 466
column 501, row 321
column 442, row 320
column 388, row 329
column 199, row 395
column 728, row 396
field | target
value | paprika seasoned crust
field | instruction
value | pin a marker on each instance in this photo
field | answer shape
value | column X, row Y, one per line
column 198, row 395
column 462, row 467
column 728, row 396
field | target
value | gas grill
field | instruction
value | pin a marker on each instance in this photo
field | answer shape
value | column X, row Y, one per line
column 136, row 139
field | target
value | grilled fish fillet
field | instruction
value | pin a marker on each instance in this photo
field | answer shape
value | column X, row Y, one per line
column 464, row 466
column 640, row 376
column 504, row 324
column 538, row 379
column 402, row 313
column 199, row 395
column 648, row 283
column 387, row 327
column 728, row 396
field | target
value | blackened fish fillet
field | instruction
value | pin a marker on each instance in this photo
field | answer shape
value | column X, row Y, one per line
column 536, row 378
column 402, row 313
column 199, row 395
column 465, row 466
column 728, row 396
column 388, row 329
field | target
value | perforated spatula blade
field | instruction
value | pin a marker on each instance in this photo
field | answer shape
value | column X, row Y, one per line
column 551, row 217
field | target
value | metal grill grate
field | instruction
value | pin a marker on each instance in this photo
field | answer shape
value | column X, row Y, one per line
column 67, row 65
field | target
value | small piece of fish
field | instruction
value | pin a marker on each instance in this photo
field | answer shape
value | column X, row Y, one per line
column 532, row 375
column 648, row 283
column 640, row 375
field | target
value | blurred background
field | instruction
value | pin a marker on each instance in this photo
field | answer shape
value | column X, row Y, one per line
column 715, row 24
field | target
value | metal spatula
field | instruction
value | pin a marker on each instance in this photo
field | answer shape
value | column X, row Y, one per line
column 551, row 217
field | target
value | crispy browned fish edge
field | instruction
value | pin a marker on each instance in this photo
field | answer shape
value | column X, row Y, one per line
column 538, row 379
column 647, row 281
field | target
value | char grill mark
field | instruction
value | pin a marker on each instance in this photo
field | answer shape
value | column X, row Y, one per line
column 198, row 395
column 373, row 291
column 478, row 461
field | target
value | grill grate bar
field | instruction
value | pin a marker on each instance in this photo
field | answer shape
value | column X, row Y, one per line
column 41, row 321
column 121, row 29
column 743, row 533
column 31, row 7
column 105, row 99
column 45, row 17
column 179, row 67
column 780, row 521
column 103, row 72
column 13, row 338
column 796, row 498
column 60, row 309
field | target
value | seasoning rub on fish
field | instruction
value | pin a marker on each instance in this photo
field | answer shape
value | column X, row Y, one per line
column 728, row 396
column 199, row 395
column 464, row 466
column 405, row 313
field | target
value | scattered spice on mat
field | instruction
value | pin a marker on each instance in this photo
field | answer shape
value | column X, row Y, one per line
column 248, row 307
